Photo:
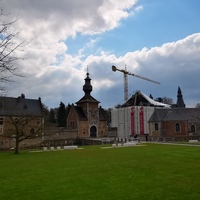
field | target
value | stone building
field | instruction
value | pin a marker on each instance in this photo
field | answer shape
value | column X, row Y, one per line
column 24, row 115
column 179, row 122
column 86, row 116
column 175, row 122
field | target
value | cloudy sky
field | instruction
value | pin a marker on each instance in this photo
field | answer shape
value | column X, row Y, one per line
column 152, row 38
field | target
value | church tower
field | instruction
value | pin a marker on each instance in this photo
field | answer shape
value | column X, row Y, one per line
column 88, row 103
column 88, row 118
column 180, row 103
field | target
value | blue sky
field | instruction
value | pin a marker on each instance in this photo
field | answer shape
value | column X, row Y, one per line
column 159, row 39
column 156, row 23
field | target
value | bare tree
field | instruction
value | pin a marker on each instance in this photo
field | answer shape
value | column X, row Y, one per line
column 8, row 47
column 166, row 100
column 23, row 128
column 197, row 105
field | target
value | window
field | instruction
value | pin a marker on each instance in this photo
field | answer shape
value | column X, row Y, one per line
column 1, row 129
column 193, row 128
column 32, row 131
column 38, row 122
column 156, row 126
column 1, row 120
column 177, row 127
column 16, row 119
column 24, row 121
column 72, row 123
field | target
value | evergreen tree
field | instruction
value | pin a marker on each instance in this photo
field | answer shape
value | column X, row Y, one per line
column 68, row 109
column 62, row 115
column 52, row 116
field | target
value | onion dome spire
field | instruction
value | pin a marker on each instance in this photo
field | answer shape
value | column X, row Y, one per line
column 87, row 88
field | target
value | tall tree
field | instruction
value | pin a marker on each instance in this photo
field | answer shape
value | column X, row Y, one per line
column 52, row 116
column 8, row 47
column 62, row 115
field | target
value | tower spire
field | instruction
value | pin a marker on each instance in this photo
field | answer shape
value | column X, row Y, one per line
column 87, row 88
column 180, row 103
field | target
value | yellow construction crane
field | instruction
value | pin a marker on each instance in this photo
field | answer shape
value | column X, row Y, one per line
column 125, row 72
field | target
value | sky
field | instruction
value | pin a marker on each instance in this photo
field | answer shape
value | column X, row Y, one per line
column 158, row 39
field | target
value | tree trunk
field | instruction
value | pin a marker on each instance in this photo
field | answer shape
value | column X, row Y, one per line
column 17, row 146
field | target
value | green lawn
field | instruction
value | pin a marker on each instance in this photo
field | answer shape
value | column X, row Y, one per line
column 153, row 171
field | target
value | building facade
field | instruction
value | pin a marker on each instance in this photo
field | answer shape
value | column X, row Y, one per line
column 175, row 122
column 22, row 115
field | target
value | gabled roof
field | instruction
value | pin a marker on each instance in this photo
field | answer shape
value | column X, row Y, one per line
column 87, row 98
column 82, row 116
column 139, row 98
column 20, row 106
column 159, row 115
column 176, row 114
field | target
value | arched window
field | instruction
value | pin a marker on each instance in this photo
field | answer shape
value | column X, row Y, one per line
column 177, row 127
column 193, row 128
column 156, row 126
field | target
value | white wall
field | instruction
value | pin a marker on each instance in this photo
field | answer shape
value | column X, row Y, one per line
column 121, row 118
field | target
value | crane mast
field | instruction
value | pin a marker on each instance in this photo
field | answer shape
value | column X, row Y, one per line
column 126, row 73
column 125, row 86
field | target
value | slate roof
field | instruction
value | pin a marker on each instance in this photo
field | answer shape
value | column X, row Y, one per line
column 20, row 106
column 176, row 114
column 87, row 98
column 82, row 116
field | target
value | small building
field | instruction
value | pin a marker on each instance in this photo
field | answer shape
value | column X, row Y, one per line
column 86, row 116
column 175, row 122
column 22, row 110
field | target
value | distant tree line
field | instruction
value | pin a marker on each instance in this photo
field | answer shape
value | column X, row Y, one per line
column 56, row 115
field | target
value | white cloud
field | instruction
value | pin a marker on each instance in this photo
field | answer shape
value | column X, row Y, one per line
column 57, row 76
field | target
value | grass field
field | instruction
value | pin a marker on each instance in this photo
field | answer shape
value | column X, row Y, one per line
column 152, row 171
